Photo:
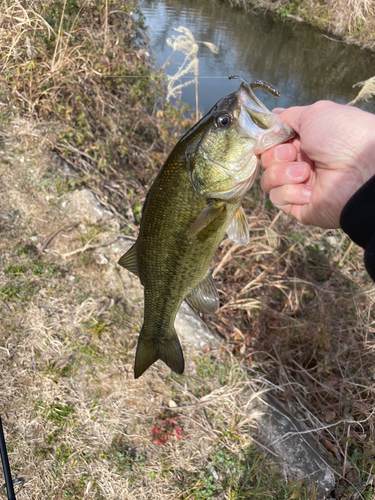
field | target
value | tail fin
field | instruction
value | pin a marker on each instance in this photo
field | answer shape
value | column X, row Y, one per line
column 147, row 353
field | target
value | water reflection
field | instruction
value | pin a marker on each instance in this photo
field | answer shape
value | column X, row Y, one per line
column 299, row 60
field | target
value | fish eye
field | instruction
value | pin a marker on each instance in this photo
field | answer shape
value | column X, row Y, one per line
column 223, row 120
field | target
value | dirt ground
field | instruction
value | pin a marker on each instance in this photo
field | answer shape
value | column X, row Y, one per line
column 77, row 424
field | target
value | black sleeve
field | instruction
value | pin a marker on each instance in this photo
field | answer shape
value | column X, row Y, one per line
column 358, row 221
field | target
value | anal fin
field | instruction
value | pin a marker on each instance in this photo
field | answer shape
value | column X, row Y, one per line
column 204, row 298
column 129, row 260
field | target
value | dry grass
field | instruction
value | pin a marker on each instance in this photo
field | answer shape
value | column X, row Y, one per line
column 298, row 307
column 296, row 311
column 77, row 424
column 186, row 44
column 367, row 91
column 352, row 20
column 84, row 67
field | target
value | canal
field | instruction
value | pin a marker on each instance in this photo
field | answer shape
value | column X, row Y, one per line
column 302, row 62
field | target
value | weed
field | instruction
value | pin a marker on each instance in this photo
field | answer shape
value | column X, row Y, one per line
column 237, row 476
column 125, row 457
column 73, row 491
column 186, row 44
column 63, row 453
column 95, row 327
column 58, row 413
column 26, row 249
column 15, row 270
column 18, row 291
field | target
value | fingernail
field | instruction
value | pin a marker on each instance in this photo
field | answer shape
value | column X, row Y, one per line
column 283, row 152
column 296, row 170
column 307, row 192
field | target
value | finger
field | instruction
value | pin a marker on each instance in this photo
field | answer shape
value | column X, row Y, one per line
column 280, row 153
column 293, row 117
column 294, row 210
column 301, row 156
column 277, row 111
column 290, row 194
column 281, row 174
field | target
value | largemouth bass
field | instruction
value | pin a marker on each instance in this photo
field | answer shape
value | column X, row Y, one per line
column 194, row 201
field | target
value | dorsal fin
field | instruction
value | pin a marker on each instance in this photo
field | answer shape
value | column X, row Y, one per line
column 238, row 231
column 204, row 298
column 129, row 260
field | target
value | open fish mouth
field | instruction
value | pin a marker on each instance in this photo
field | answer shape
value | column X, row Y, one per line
column 257, row 122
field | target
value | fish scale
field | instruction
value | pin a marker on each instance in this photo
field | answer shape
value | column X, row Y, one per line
column 173, row 272
column 195, row 199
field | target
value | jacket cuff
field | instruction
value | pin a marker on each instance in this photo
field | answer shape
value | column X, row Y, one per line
column 358, row 222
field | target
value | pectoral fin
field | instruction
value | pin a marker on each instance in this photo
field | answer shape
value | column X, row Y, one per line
column 207, row 215
column 238, row 231
column 204, row 298
column 129, row 260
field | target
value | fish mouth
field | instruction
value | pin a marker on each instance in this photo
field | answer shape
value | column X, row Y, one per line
column 257, row 122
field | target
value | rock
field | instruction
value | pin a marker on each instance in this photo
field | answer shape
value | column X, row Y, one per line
column 295, row 447
column 191, row 329
column 121, row 246
column 64, row 166
column 85, row 206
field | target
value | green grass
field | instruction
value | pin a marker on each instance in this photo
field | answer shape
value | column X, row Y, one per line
column 58, row 413
column 238, row 476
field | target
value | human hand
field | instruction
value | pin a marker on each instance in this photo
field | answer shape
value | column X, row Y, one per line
column 332, row 156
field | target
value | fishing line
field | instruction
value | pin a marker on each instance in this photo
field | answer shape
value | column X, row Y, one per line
column 229, row 77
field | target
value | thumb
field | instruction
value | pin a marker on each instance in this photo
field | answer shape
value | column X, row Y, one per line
column 277, row 111
column 292, row 116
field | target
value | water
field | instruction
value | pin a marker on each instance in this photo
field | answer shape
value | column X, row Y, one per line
column 299, row 60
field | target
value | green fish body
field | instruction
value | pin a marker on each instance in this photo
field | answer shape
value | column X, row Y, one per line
column 194, row 201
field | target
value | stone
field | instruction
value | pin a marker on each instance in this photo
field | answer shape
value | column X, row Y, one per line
column 290, row 440
column 192, row 330
column 85, row 206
